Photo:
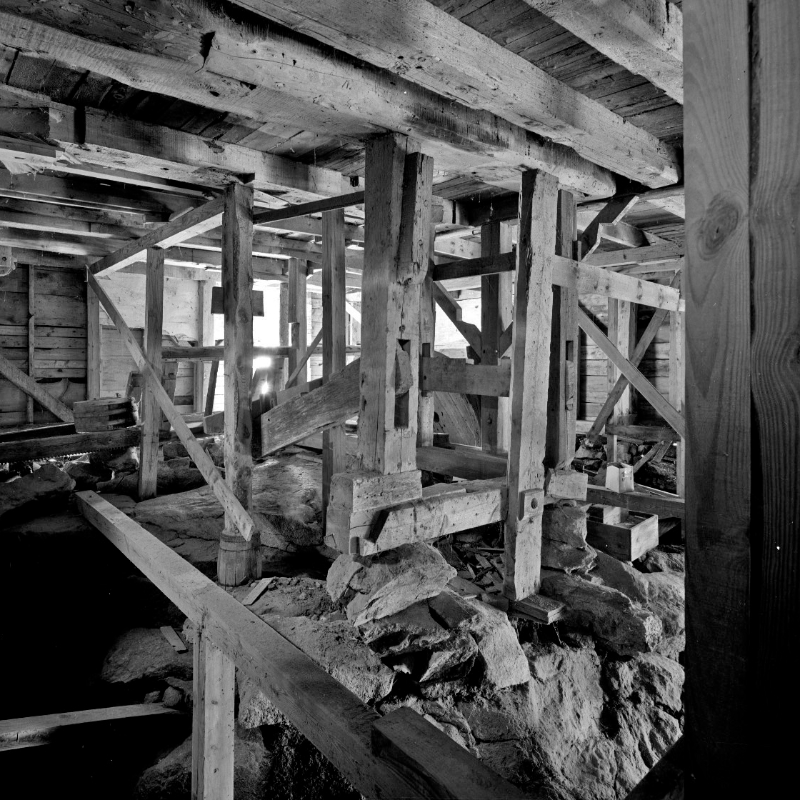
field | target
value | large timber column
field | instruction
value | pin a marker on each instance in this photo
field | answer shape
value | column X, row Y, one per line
column 742, row 286
column 397, row 223
column 496, row 315
column 239, row 560
column 533, row 302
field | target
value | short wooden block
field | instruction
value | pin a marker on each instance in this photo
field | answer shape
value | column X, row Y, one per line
column 565, row 484
column 626, row 541
column 619, row 477
column 537, row 608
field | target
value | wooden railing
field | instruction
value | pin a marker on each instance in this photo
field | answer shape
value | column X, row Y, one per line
column 399, row 755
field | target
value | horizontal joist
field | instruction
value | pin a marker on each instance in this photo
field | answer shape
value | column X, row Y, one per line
column 429, row 47
column 217, row 353
column 467, row 463
column 640, row 501
column 313, row 207
column 468, row 505
column 442, row 374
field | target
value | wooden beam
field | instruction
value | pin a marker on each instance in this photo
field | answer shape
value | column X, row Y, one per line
column 301, row 364
column 16, row 734
column 298, row 332
column 452, row 310
column 652, row 254
column 334, row 338
column 477, row 267
column 611, row 214
column 205, row 337
column 397, row 227
column 644, row 37
column 31, row 449
column 193, row 223
column 92, row 345
column 35, row 390
column 151, row 412
column 214, row 683
column 443, row 374
column 677, row 390
column 239, row 556
column 640, row 501
column 426, row 408
column 621, row 333
column 446, row 50
column 636, row 379
column 32, row 338
column 496, row 316
column 202, row 460
column 217, row 353
column 562, row 393
column 529, row 384
column 313, row 207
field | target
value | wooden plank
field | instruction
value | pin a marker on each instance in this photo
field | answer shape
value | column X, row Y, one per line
column 150, row 410
column 172, row 637
column 331, row 404
column 298, row 333
column 35, row 731
column 397, row 228
column 496, row 316
column 612, row 213
column 677, row 390
column 205, row 337
column 31, row 337
column 637, row 380
column 92, row 345
column 217, row 353
column 529, row 384
column 426, row 406
column 429, row 518
column 653, row 254
column 334, row 337
column 192, row 223
column 401, row 738
column 621, row 333
column 312, row 207
column 644, row 37
column 218, row 304
column 203, row 461
column 490, row 264
column 30, row 449
column 468, row 463
column 332, row 718
column 562, row 393
column 442, row 374
column 240, row 555
column 301, row 364
column 518, row 91
column 664, row 505
column 35, row 390
column 257, row 591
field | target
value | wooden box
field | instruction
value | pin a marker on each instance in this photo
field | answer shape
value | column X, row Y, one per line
column 627, row 540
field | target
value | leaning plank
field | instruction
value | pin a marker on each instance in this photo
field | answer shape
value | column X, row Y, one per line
column 331, row 404
column 244, row 524
column 637, row 380
column 313, row 207
column 35, row 731
column 442, row 374
column 331, row 717
column 34, row 390
column 663, row 505
column 304, row 359
column 193, row 223
column 483, row 503
column 68, row 444
column 401, row 738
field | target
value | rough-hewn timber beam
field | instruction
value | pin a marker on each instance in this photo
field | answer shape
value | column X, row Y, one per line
column 644, row 36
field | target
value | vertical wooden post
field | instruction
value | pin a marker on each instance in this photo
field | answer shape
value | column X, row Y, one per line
column 239, row 560
column 676, row 390
column 92, row 344
column 150, row 410
column 298, row 331
column 496, row 316
column 334, row 330
column 562, row 398
column 622, row 333
column 212, row 721
column 205, row 337
column 720, row 506
column 427, row 341
column 398, row 206
column 533, row 306
column 31, row 336
column 282, row 371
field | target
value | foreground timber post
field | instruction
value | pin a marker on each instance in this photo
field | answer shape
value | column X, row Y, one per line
column 622, row 334
column 92, row 344
column 427, row 336
column 205, row 337
column 334, row 340
column 397, row 249
column 239, row 560
column 742, row 283
column 151, row 411
column 214, row 684
column 529, row 384
column 496, row 316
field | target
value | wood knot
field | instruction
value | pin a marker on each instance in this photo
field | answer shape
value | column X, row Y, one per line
column 719, row 222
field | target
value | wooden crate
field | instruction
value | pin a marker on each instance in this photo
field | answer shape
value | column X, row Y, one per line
column 627, row 540
column 103, row 414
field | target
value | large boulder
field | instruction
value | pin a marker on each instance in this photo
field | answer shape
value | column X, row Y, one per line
column 42, row 491
column 143, row 654
column 378, row 586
